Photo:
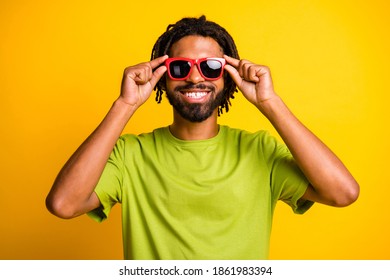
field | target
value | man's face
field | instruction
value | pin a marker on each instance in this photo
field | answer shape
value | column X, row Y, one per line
column 195, row 98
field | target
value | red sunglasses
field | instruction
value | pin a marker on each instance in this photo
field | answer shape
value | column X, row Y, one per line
column 180, row 68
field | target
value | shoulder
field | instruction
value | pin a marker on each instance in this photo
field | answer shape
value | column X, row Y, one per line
column 134, row 142
column 258, row 142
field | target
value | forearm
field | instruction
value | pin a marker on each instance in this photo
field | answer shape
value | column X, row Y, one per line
column 332, row 182
column 76, row 181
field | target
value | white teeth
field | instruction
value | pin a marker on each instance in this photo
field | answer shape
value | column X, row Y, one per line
column 195, row 94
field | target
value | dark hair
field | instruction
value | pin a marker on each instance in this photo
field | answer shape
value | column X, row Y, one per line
column 201, row 27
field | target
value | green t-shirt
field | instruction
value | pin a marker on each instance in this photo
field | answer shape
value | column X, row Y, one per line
column 204, row 199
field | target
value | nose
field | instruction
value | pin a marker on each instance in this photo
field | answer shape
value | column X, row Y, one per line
column 195, row 76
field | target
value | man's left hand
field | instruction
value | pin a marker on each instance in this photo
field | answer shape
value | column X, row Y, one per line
column 253, row 80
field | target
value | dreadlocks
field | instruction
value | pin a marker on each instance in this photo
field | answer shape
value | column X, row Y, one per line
column 202, row 27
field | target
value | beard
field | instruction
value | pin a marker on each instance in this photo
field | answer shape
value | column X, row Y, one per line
column 195, row 112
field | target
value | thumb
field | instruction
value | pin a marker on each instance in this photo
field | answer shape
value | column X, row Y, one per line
column 234, row 74
column 157, row 74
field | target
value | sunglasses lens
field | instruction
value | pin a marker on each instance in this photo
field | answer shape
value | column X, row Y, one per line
column 179, row 68
column 211, row 68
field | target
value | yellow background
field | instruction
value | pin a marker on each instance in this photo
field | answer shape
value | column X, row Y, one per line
column 61, row 64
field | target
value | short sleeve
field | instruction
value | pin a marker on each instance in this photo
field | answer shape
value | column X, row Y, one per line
column 109, row 187
column 287, row 181
column 290, row 184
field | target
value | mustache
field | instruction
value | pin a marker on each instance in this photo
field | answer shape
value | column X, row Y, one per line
column 197, row 86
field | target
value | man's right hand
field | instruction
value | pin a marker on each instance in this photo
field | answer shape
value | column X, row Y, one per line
column 139, row 81
column 72, row 193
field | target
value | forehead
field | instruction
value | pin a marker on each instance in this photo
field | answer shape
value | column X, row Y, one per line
column 195, row 46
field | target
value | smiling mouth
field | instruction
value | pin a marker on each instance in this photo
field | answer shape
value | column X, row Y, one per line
column 195, row 94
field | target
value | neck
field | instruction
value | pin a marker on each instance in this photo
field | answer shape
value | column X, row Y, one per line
column 186, row 130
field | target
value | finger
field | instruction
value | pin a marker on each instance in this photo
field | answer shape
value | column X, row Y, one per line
column 232, row 61
column 261, row 70
column 253, row 73
column 234, row 74
column 157, row 61
column 157, row 74
column 140, row 74
column 244, row 68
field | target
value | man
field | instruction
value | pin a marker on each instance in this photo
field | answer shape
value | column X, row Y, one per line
column 195, row 189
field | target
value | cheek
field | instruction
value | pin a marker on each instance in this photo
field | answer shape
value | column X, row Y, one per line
column 171, row 85
column 167, row 84
column 220, row 84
